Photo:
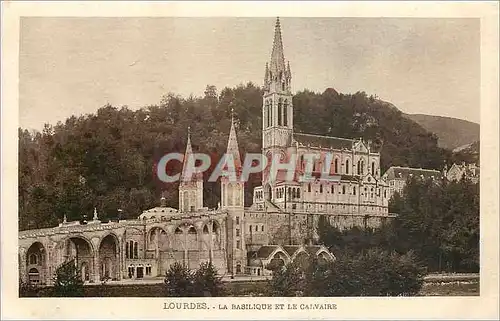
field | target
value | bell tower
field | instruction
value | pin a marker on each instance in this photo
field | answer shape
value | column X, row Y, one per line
column 277, row 109
column 191, row 184
column 232, row 195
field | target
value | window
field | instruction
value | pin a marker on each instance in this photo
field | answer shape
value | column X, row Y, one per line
column 237, row 232
column 321, row 188
column 250, row 228
column 148, row 270
column 373, row 168
column 280, row 104
column 237, row 220
column 336, row 166
column 238, row 245
column 262, row 228
column 270, row 113
column 343, row 189
column 33, row 259
column 298, row 193
column 136, row 250
column 347, row 166
column 285, row 113
column 385, row 193
column 354, row 190
column 333, row 188
column 309, row 187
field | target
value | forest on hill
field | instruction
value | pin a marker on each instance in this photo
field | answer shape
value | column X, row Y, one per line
column 107, row 159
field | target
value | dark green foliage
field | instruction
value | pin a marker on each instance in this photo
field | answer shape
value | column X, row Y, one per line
column 372, row 273
column 179, row 281
column 207, row 282
column 286, row 281
column 182, row 282
column 438, row 221
column 108, row 159
column 68, row 281
column 27, row 290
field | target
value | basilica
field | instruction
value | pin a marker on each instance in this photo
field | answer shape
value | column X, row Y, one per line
column 279, row 226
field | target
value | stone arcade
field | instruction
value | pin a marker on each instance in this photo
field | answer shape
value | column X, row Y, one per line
column 279, row 226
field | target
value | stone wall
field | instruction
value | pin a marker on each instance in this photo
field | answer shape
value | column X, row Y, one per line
column 298, row 228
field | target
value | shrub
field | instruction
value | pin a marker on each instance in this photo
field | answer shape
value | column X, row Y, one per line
column 68, row 281
column 179, row 281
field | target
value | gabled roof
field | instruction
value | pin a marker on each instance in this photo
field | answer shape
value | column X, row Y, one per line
column 396, row 172
column 291, row 249
column 323, row 141
column 266, row 250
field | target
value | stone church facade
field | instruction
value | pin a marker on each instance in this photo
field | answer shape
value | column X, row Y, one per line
column 280, row 225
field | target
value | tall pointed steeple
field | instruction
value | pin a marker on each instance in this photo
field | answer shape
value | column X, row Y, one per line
column 187, row 154
column 232, row 144
column 191, row 184
column 277, row 55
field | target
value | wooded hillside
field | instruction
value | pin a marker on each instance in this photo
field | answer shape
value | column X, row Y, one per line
column 107, row 159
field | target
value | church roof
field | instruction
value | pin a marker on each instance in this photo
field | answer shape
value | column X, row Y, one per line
column 291, row 249
column 396, row 172
column 323, row 141
column 266, row 250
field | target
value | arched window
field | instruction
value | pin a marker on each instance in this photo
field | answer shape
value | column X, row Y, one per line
column 347, row 166
column 336, row 166
column 280, row 107
column 321, row 188
column 385, row 193
column 270, row 113
column 33, row 259
column 285, row 113
column 136, row 250
column 354, row 190
column 266, row 116
column 309, row 187
column 343, row 189
column 333, row 188
column 298, row 192
column 301, row 161
column 289, row 193
column 373, row 168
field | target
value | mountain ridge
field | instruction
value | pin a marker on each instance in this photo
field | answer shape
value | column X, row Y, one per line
column 451, row 132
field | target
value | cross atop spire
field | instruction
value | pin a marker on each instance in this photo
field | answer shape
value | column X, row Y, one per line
column 277, row 55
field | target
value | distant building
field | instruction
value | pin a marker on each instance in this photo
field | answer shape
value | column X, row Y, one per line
column 468, row 171
column 396, row 176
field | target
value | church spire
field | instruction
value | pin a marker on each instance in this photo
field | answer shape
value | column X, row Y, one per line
column 188, row 153
column 277, row 55
column 232, row 144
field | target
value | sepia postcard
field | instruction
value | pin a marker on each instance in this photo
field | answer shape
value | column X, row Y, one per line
column 249, row 160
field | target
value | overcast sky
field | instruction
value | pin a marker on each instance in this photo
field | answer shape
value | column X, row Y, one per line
column 73, row 66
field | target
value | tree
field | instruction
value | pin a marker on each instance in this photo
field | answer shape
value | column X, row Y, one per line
column 371, row 273
column 286, row 281
column 179, row 281
column 68, row 281
column 206, row 281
